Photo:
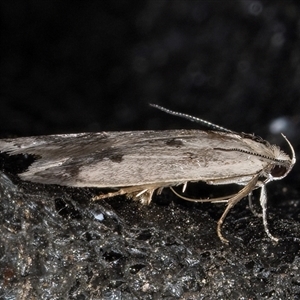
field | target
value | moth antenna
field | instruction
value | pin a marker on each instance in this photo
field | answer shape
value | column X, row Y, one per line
column 293, row 151
column 192, row 118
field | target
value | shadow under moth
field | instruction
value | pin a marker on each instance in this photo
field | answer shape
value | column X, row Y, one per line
column 137, row 163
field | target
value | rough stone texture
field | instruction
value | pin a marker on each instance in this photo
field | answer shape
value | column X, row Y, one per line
column 92, row 66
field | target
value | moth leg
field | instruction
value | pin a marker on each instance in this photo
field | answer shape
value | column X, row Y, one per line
column 263, row 203
column 184, row 187
column 144, row 196
column 255, row 213
column 141, row 193
column 120, row 192
column 109, row 195
column 159, row 190
column 211, row 200
column 232, row 202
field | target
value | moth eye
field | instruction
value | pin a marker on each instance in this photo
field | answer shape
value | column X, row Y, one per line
column 278, row 171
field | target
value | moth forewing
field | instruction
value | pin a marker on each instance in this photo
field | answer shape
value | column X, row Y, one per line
column 138, row 163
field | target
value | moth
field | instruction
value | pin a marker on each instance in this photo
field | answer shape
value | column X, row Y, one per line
column 138, row 163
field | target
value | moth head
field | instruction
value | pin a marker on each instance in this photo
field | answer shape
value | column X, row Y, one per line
column 283, row 163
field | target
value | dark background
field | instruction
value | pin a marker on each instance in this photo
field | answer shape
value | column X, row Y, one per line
column 76, row 66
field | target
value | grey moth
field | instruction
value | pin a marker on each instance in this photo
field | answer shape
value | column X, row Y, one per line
column 138, row 163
